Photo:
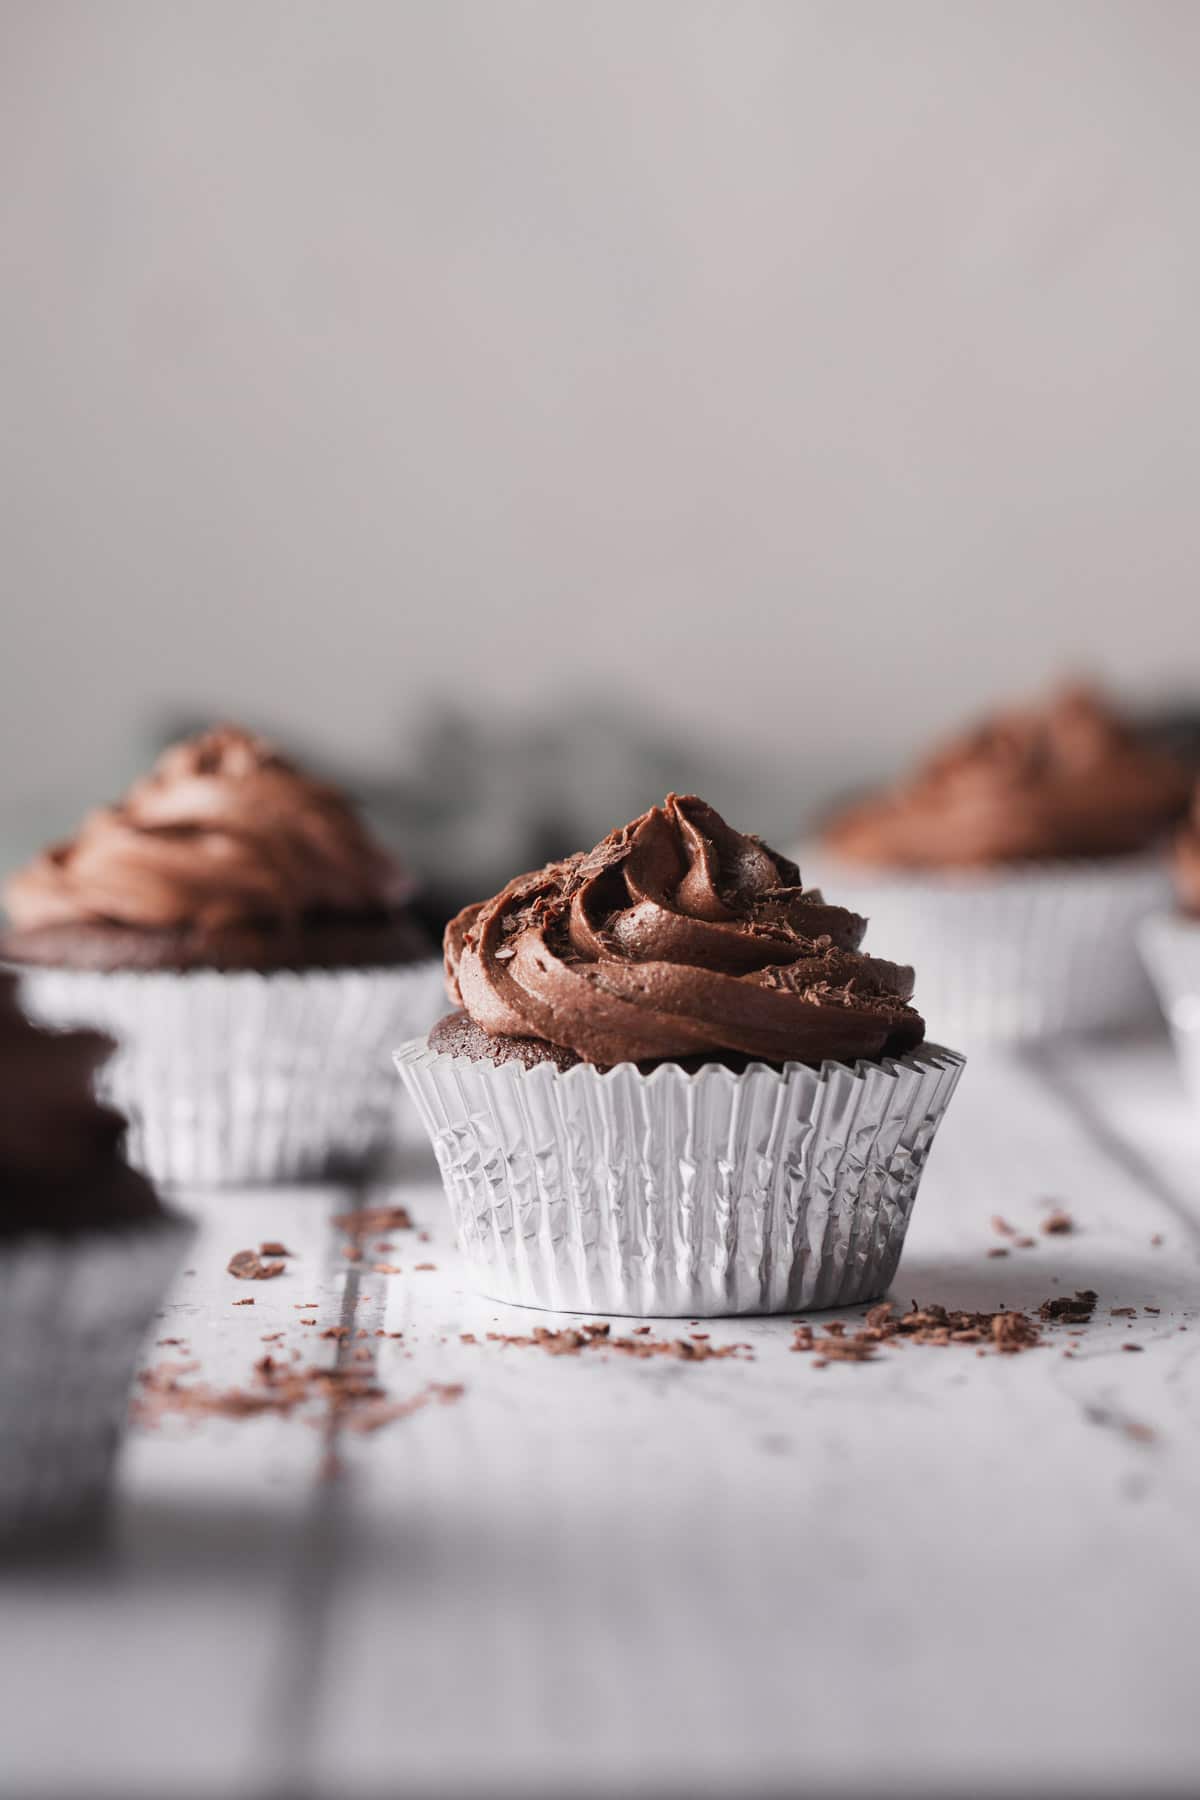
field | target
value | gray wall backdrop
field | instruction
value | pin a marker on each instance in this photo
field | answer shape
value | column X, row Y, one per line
column 804, row 372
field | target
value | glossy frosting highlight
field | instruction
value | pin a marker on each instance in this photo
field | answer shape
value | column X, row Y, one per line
column 677, row 937
column 1067, row 779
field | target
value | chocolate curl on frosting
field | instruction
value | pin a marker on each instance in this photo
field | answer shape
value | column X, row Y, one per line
column 222, row 830
column 1066, row 779
column 677, row 936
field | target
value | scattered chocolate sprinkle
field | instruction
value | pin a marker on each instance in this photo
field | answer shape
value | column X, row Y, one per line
column 569, row 1342
column 1064, row 1310
column 306, row 1321
column 247, row 1265
column 338, row 1332
column 1058, row 1222
column 467, row 1337
column 246, row 1302
column 419, row 1268
column 1025, row 1243
column 273, row 1249
column 1154, row 1309
column 997, row 1250
column 1156, row 1239
column 1133, row 1347
column 171, row 1340
column 382, row 1268
column 368, row 1220
column 641, row 1330
column 1122, row 1312
column 599, row 1329
column 1001, row 1227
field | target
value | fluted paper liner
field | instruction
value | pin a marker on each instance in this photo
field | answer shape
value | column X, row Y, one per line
column 246, row 1077
column 1170, row 944
column 681, row 1195
column 73, row 1314
column 1015, row 955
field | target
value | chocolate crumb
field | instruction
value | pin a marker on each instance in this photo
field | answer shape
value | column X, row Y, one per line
column 1001, row 1227
column 467, row 1337
column 1137, row 1348
column 271, row 1248
column 249, row 1301
column 1058, row 1222
column 1156, row 1239
column 1025, row 1243
column 419, row 1268
column 1154, row 1309
column 374, row 1220
column 247, row 1265
column 1123, row 1312
column 384, row 1268
column 997, row 1250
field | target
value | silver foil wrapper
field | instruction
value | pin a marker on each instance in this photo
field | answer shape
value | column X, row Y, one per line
column 244, row 1077
column 681, row 1195
column 1170, row 944
column 73, row 1314
column 1010, row 956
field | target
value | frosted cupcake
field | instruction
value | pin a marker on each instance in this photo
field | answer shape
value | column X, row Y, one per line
column 86, row 1253
column 675, row 1084
column 1170, row 943
column 234, row 927
column 1015, row 867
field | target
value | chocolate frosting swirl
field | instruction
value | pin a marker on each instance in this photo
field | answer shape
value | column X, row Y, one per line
column 677, row 937
column 223, row 830
column 1067, row 779
column 1187, row 860
column 61, row 1166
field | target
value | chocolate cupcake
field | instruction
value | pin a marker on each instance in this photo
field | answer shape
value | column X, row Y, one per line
column 1015, row 865
column 251, row 948
column 86, row 1252
column 1170, row 942
column 675, row 1084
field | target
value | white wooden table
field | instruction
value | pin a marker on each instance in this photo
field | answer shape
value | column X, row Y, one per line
column 935, row 1573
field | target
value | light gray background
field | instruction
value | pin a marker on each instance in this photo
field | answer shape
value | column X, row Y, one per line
column 808, row 373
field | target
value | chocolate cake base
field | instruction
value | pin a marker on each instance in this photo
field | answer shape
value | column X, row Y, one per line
column 326, row 942
column 458, row 1035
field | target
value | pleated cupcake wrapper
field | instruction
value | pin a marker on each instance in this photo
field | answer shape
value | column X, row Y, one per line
column 1170, row 944
column 1011, row 957
column 244, row 1077
column 73, row 1315
column 681, row 1195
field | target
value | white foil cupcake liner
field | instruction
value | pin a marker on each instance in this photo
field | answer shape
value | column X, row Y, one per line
column 247, row 1077
column 73, row 1314
column 1016, row 955
column 1170, row 944
column 681, row 1195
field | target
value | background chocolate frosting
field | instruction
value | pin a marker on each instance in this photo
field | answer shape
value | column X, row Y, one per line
column 1187, row 859
column 1067, row 779
column 677, row 937
column 61, row 1162
column 223, row 830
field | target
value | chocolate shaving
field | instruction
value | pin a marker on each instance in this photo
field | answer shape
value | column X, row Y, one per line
column 247, row 1265
column 365, row 1220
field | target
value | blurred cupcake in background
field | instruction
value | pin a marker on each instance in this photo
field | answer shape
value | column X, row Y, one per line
column 1014, row 867
column 86, row 1254
column 675, row 1084
column 1170, row 943
column 252, row 950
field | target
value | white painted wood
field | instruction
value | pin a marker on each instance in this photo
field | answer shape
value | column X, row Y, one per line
column 937, row 1571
